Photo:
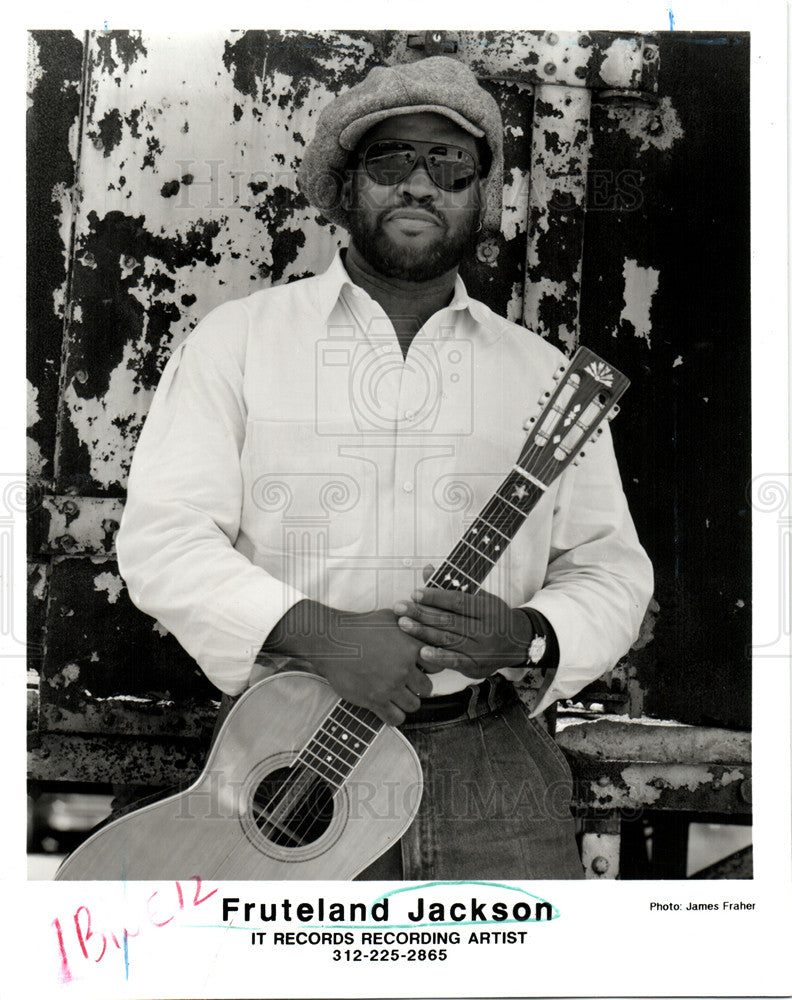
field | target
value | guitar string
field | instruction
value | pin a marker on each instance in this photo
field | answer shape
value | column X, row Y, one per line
column 504, row 515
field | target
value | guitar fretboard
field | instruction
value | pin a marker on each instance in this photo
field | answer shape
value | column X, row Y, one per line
column 487, row 538
column 340, row 742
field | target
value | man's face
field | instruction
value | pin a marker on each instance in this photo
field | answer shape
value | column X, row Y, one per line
column 413, row 230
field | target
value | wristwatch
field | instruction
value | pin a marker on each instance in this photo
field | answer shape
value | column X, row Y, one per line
column 538, row 646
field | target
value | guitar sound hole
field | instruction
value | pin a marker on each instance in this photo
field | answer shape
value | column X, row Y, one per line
column 293, row 808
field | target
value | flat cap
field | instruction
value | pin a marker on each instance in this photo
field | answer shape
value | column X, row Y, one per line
column 438, row 84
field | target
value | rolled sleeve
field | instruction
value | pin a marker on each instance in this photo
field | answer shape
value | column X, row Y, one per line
column 599, row 579
column 182, row 517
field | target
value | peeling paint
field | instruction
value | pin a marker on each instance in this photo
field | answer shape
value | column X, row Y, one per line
column 67, row 676
column 515, row 204
column 103, row 424
column 623, row 60
column 677, row 361
column 656, row 128
column 35, row 70
column 640, row 285
column 560, row 148
column 111, row 584
column 640, row 786
column 515, row 304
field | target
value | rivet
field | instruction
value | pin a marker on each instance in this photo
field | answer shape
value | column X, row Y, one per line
column 109, row 525
column 81, row 376
column 66, row 542
column 584, row 41
column 437, row 37
column 550, row 68
column 69, row 508
column 552, row 38
column 487, row 252
column 600, row 865
column 650, row 53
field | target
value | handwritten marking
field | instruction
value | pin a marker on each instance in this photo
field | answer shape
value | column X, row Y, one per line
column 93, row 942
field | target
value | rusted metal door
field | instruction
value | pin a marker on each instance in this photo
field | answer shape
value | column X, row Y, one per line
column 164, row 184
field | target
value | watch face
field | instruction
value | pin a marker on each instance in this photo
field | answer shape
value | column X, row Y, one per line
column 537, row 649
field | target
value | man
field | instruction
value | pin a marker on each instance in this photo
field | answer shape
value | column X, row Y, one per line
column 312, row 447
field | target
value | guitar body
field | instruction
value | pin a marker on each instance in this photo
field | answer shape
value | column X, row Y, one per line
column 211, row 829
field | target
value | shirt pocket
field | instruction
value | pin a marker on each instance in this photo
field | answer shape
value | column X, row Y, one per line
column 305, row 494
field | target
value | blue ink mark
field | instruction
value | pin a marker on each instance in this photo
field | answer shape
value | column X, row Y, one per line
column 670, row 19
column 465, row 923
column 124, row 881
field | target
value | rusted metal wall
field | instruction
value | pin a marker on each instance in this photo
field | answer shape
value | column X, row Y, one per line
column 164, row 184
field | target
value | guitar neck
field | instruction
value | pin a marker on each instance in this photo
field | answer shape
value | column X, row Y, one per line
column 488, row 537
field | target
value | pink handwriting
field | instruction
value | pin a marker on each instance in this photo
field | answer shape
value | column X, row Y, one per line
column 82, row 941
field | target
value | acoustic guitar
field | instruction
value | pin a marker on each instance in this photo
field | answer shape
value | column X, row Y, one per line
column 301, row 784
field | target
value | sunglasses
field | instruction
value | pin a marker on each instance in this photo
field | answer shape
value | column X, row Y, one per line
column 390, row 161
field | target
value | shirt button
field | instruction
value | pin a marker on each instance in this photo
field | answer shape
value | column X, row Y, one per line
column 408, row 487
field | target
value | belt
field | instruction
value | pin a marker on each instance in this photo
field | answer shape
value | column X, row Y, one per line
column 470, row 703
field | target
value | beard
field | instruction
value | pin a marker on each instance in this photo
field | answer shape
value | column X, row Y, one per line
column 420, row 263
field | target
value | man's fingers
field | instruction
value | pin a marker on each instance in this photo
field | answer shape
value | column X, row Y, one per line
column 406, row 701
column 435, row 617
column 419, row 683
column 390, row 713
column 427, row 572
column 449, row 659
column 470, row 605
column 434, row 636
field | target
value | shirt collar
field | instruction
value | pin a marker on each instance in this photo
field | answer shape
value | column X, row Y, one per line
column 330, row 285
column 336, row 278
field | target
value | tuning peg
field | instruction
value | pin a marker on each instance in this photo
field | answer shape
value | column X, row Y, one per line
column 528, row 423
column 559, row 372
column 613, row 412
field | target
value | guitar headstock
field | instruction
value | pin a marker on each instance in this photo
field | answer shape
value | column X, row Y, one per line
column 587, row 393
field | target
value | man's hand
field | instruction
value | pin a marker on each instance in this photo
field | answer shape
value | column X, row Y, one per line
column 367, row 658
column 474, row 634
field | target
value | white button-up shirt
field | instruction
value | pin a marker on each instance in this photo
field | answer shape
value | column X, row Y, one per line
column 291, row 452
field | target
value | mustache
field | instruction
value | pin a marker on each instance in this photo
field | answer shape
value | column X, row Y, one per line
column 419, row 210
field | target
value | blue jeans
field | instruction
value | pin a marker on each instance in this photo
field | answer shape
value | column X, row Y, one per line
column 496, row 804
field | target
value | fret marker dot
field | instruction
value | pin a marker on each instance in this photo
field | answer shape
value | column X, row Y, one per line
column 328, row 757
column 344, row 736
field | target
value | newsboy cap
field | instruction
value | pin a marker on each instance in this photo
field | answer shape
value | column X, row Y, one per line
column 438, row 84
